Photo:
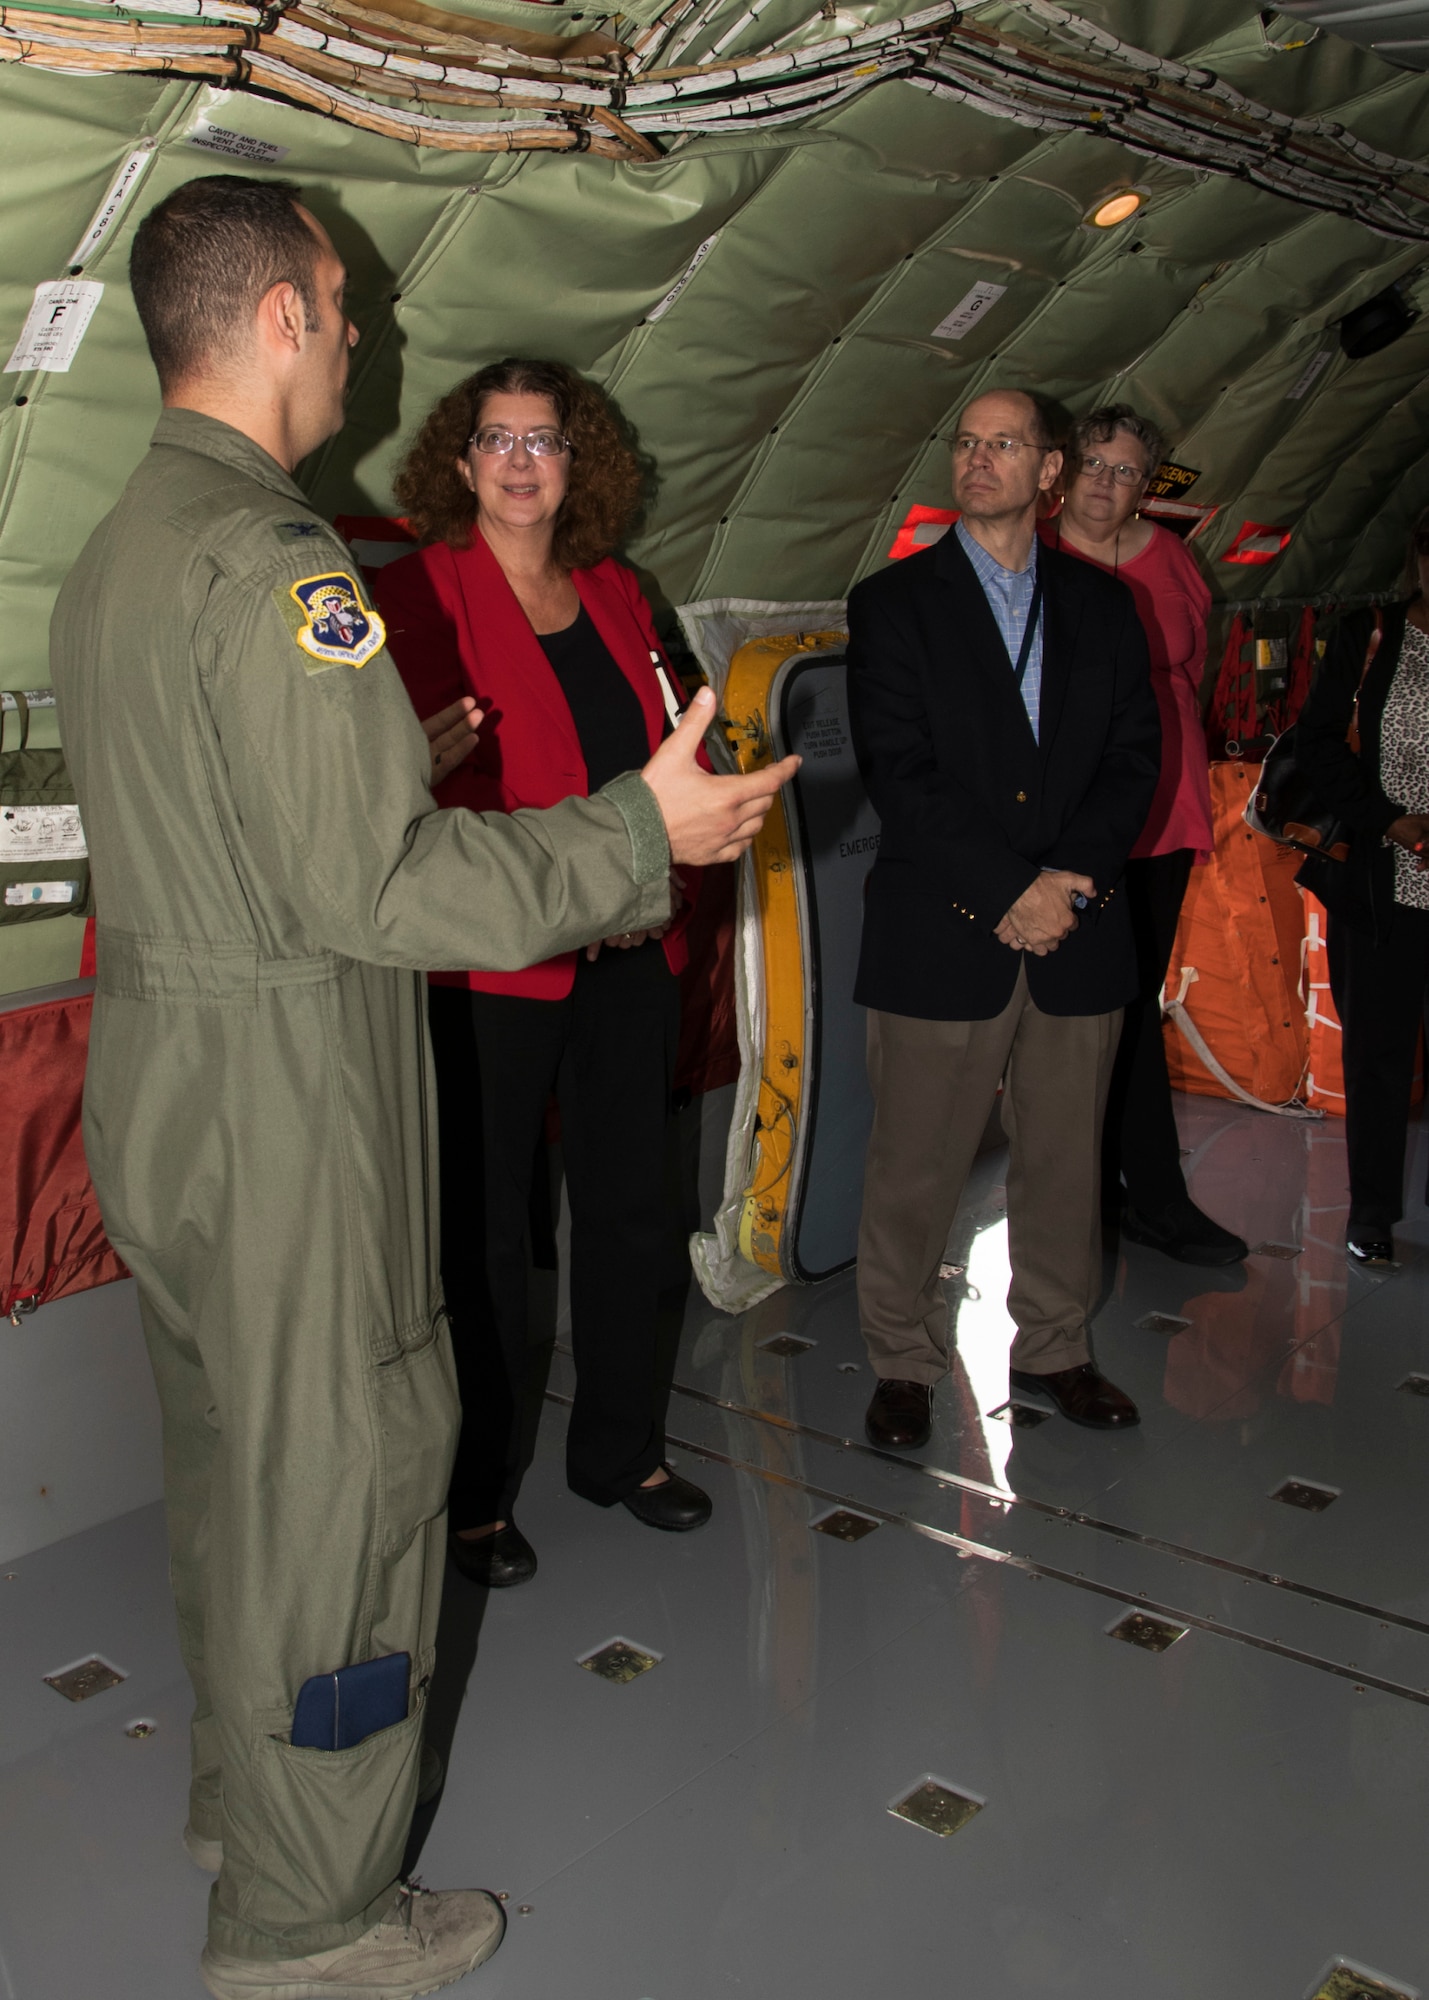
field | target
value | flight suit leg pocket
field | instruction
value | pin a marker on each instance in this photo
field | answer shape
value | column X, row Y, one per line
column 336, row 1826
column 419, row 1414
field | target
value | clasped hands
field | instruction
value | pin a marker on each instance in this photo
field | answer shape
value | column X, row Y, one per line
column 1045, row 912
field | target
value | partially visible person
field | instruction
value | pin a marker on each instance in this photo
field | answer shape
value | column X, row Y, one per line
column 1114, row 452
column 269, row 866
column 521, row 484
column 1003, row 718
column 1377, row 899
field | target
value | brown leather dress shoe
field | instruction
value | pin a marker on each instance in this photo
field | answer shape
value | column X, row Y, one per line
column 901, row 1414
column 1082, row 1395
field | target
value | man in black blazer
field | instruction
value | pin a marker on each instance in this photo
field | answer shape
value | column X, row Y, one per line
column 1006, row 729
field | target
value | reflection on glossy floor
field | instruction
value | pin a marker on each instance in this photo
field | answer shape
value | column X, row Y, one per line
column 1228, row 1816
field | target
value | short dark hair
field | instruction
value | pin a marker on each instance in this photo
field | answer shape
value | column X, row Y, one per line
column 205, row 256
column 1101, row 426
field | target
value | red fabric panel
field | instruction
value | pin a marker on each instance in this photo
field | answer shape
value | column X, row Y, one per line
column 52, row 1241
column 709, row 1034
column 905, row 542
column 1231, row 716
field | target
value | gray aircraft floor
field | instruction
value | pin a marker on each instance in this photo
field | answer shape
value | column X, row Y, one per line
column 1230, row 1817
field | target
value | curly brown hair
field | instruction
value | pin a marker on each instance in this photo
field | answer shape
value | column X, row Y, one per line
column 607, row 479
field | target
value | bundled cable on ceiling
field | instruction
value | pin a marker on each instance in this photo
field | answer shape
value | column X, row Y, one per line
column 414, row 78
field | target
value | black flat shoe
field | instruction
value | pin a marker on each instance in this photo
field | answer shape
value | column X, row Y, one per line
column 1182, row 1231
column 496, row 1561
column 677, row 1505
column 1371, row 1249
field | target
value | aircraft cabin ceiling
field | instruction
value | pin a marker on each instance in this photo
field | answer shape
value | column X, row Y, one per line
column 791, row 244
column 1395, row 29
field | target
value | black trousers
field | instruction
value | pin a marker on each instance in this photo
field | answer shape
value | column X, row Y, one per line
column 1140, row 1142
column 608, row 1053
column 1380, row 992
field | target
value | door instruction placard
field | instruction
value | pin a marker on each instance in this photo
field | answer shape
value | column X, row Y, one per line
column 41, row 833
column 55, row 326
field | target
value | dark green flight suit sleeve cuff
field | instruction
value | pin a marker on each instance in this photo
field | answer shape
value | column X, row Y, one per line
column 649, row 845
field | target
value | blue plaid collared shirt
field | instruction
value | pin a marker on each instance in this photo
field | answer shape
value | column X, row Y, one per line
column 1009, row 594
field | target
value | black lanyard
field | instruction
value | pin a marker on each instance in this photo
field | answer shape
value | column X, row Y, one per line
column 1031, row 632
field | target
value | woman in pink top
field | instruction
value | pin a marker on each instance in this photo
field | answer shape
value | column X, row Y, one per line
column 1112, row 456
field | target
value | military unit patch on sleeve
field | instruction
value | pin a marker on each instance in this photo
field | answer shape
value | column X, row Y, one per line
column 330, row 622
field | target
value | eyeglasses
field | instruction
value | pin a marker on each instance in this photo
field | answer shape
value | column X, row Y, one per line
column 1124, row 475
column 965, row 444
column 496, row 443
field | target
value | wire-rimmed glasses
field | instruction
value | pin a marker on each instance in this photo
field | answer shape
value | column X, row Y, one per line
column 1123, row 474
column 965, row 444
column 495, row 441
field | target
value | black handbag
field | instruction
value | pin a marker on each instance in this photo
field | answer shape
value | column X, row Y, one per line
column 1283, row 805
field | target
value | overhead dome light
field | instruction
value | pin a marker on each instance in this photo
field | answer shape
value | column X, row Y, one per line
column 1115, row 208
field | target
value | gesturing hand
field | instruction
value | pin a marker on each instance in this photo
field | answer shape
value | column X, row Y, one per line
column 707, row 818
column 451, row 736
column 1043, row 914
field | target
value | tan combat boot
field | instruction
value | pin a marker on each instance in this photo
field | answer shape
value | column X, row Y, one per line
column 429, row 1940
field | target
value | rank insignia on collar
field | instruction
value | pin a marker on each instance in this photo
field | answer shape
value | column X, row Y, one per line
column 332, row 625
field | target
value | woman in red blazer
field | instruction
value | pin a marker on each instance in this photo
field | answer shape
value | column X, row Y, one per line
column 519, row 485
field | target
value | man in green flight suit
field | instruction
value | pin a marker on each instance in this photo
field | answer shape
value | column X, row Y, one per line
column 270, row 872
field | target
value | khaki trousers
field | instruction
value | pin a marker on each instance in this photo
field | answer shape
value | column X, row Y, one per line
column 934, row 1084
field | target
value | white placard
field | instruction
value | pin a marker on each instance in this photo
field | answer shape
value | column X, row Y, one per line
column 120, row 194
column 18, row 895
column 235, row 145
column 41, row 833
column 55, row 325
column 1309, row 375
column 970, row 308
column 659, row 312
